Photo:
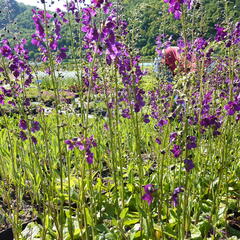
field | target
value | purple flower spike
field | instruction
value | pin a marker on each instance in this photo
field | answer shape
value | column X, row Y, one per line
column 232, row 107
column 175, row 6
column 176, row 151
column 158, row 141
column 175, row 197
column 80, row 145
column 162, row 122
column 89, row 157
column 1, row 99
column 23, row 124
column 147, row 197
column 35, row 126
column 34, row 140
column 173, row 136
column 70, row 144
column 146, row 118
column 6, row 50
column 221, row 33
column 22, row 135
column 238, row 117
column 189, row 165
column 83, row 144
column 191, row 142
column 126, row 113
column 149, row 190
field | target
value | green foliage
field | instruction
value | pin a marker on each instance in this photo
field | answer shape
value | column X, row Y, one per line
column 148, row 18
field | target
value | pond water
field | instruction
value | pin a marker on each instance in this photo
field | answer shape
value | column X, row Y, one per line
column 146, row 64
column 65, row 74
column 72, row 74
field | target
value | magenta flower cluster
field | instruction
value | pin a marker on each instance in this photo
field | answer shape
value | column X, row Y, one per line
column 189, row 165
column 233, row 106
column 48, row 41
column 83, row 144
column 175, row 6
column 105, row 41
column 175, row 196
column 34, row 127
column 229, row 37
column 16, row 62
column 162, row 42
column 149, row 190
column 176, row 150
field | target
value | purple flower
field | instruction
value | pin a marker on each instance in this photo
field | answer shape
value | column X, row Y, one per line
column 23, row 124
column 53, row 44
column 70, row 144
column 149, row 190
column 210, row 120
column 235, row 35
column 162, row 42
column 139, row 102
column 126, row 113
column 88, row 13
column 27, row 102
column 35, row 126
column 162, row 122
column 221, row 33
column 146, row 118
column 35, row 40
column 37, row 18
column 1, row 99
column 158, row 141
column 175, row 6
column 200, row 44
column 83, row 145
column 191, row 142
column 71, row 6
column 232, row 107
column 189, row 165
column 173, row 136
column 6, row 50
column 34, row 140
column 176, row 151
column 207, row 98
column 80, row 145
column 175, row 197
column 106, row 126
column 61, row 14
column 62, row 55
column 23, row 135
column 89, row 157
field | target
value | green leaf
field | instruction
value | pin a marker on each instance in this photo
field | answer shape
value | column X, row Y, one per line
column 110, row 236
column 123, row 213
column 31, row 231
column 77, row 234
column 130, row 187
column 101, row 228
column 137, row 234
column 196, row 233
column 89, row 218
column 130, row 222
